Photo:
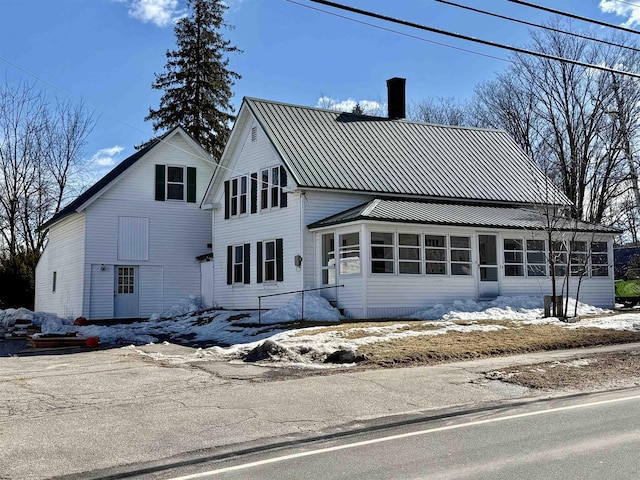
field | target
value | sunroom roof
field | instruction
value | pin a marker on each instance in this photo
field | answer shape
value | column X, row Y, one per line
column 455, row 214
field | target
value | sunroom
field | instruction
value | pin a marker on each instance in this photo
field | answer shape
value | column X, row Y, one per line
column 390, row 258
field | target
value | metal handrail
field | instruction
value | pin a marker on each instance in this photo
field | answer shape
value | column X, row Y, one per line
column 260, row 297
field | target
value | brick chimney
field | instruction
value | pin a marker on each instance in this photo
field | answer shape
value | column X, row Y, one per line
column 396, row 98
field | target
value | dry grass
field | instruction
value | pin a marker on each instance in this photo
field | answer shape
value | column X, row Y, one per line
column 357, row 330
column 452, row 346
column 601, row 370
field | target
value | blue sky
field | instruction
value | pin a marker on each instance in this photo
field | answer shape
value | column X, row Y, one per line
column 106, row 53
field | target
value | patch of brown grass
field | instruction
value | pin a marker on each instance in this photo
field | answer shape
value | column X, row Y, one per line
column 605, row 369
column 452, row 346
column 357, row 330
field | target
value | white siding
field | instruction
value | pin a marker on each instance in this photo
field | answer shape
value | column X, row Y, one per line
column 151, row 290
column 133, row 238
column 177, row 232
column 101, row 290
column 64, row 255
column 269, row 224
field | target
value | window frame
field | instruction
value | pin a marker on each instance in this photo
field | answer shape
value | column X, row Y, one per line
column 270, row 187
column 266, row 262
column 235, row 264
column 468, row 249
column 518, row 268
column 599, row 253
column 350, row 248
column 409, row 247
column 328, row 259
column 238, row 195
column 384, row 260
column 436, row 248
column 169, row 183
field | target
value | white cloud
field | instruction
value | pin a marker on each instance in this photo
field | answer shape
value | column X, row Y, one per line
column 158, row 12
column 370, row 107
column 630, row 10
column 105, row 156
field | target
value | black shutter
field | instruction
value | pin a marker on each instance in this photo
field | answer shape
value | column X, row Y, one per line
column 229, row 265
column 279, row 261
column 227, row 199
column 259, row 266
column 247, row 263
column 283, row 184
column 160, row 183
column 254, row 193
column 191, row 185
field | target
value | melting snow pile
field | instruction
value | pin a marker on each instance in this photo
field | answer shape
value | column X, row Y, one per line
column 242, row 332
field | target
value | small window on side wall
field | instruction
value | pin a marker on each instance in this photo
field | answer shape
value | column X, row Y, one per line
column 55, row 281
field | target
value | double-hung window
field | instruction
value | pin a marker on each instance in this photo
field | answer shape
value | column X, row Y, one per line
column 238, row 264
column 238, row 196
column 175, row 183
column 270, row 266
column 270, row 261
column 382, row 248
column 270, row 187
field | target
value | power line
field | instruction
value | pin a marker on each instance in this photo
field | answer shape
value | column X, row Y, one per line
column 399, row 32
column 537, row 25
column 577, row 17
column 473, row 39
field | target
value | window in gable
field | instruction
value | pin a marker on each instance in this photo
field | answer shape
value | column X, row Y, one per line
column 175, row 183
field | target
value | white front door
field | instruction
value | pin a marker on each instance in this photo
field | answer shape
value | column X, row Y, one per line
column 488, row 281
column 125, row 293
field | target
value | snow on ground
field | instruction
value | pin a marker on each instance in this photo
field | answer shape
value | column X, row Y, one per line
column 240, row 332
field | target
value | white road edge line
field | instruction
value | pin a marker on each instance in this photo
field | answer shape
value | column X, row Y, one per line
column 400, row 436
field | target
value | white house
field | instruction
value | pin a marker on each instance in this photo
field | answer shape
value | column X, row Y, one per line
column 127, row 247
column 397, row 215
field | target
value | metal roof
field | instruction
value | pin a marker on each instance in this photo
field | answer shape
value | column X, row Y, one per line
column 431, row 213
column 333, row 150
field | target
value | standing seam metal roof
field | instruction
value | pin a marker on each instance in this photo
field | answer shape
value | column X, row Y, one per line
column 344, row 151
column 430, row 213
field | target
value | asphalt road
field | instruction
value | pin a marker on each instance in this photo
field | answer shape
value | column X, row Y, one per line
column 591, row 437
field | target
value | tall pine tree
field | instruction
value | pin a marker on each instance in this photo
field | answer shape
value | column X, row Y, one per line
column 197, row 81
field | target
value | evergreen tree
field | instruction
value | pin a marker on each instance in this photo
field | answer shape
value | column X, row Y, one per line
column 357, row 109
column 197, row 81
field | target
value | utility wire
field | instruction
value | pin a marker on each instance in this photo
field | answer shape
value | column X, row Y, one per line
column 399, row 32
column 577, row 17
column 537, row 25
column 473, row 39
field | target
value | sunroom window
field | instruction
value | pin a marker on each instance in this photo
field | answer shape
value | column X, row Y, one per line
column 560, row 257
column 599, row 259
column 382, row 248
column 409, row 253
column 513, row 257
column 536, row 258
column 578, row 258
column 460, row 255
column 349, row 251
column 435, row 254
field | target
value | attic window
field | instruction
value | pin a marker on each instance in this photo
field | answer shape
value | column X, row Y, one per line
column 254, row 134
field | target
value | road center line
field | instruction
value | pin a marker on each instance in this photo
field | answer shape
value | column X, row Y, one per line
column 390, row 438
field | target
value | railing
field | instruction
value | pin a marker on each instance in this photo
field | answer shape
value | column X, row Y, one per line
column 260, row 297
